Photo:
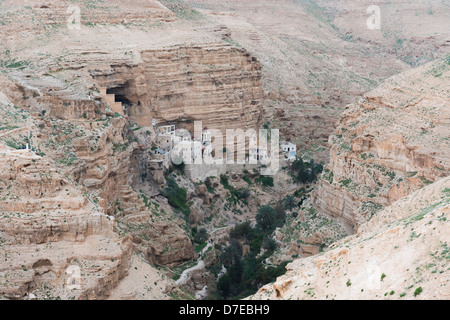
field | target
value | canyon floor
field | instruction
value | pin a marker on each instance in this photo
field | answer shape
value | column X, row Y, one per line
column 91, row 206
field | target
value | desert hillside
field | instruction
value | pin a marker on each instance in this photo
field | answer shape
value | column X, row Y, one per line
column 392, row 142
column 388, row 179
column 402, row 253
column 97, row 97
column 319, row 56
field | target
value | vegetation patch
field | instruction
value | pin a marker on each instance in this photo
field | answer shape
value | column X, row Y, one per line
column 306, row 172
column 176, row 196
column 245, row 273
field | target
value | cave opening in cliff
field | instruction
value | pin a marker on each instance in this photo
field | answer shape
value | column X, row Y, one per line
column 120, row 94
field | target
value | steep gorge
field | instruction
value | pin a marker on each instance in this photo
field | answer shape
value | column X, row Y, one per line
column 82, row 195
column 391, row 143
column 388, row 179
column 112, row 207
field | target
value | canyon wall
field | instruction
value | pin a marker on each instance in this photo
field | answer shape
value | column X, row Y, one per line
column 391, row 143
column 60, row 199
column 49, row 225
column 214, row 83
column 78, row 195
column 402, row 253
column 319, row 56
column 388, row 179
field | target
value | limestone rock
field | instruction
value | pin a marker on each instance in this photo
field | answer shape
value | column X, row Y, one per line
column 376, row 263
column 390, row 144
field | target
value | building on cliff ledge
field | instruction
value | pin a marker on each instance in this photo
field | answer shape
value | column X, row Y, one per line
column 289, row 149
column 109, row 100
column 168, row 130
column 161, row 155
column 165, row 136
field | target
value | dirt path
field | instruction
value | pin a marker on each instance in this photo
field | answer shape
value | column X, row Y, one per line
column 200, row 265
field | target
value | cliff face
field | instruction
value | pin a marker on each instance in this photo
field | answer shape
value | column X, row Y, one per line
column 212, row 82
column 59, row 201
column 388, row 177
column 102, row 157
column 63, row 201
column 157, row 66
column 319, row 56
column 48, row 225
column 401, row 253
column 390, row 144
column 215, row 83
column 79, row 198
column 32, row 185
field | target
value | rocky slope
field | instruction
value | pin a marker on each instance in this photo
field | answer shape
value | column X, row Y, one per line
column 81, row 184
column 388, row 178
column 402, row 253
column 391, row 143
column 168, row 71
column 47, row 225
column 53, row 221
column 74, row 190
column 37, row 17
column 417, row 35
column 319, row 56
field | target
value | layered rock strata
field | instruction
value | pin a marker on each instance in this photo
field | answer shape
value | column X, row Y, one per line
column 393, row 142
column 48, row 225
column 402, row 253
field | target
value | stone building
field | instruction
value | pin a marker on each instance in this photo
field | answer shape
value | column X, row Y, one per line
column 290, row 150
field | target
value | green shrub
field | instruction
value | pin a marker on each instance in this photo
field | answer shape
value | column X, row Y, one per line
column 265, row 180
column 242, row 194
column 242, row 230
column 209, row 185
column 417, row 291
column 266, row 217
column 289, row 202
column 269, row 244
column 345, row 183
column 180, row 167
column 247, row 179
column 224, row 181
column 176, row 196
column 306, row 172
column 201, row 236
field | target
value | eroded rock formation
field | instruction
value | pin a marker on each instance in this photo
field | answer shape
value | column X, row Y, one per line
column 401, row 253
column 48, row 225
column 78, row 188
column 214, row 83
column 390, row 144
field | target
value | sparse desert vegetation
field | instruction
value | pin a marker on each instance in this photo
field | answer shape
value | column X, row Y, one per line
column 91, row 114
